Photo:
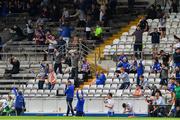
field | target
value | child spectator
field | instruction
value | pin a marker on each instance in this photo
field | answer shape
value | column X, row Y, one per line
column 41, row 76
column 125, row 78
column 164, row 76
column 85, row 69
column 137, row 92
column 51, row 79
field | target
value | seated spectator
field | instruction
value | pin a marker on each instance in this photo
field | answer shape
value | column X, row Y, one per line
column 164, row 76
column 128, row 108
column 177, row 72
column 133, row 67
column 140, row 71
column 85, row 69
column 138, row 91
column 165, row 57
column 125, row 64
column 17, row 32
column 39, row 37
column 156, row 68
column 100, row 78
column 143, row 82
column 155, row 39
column 16, row 66
column 158, row 100
column 51, row 79
column 154, row 90
column 125, row 78
column 176, row 57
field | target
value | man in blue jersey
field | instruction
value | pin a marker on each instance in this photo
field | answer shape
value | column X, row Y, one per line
column 80, row 103
column 69, row 92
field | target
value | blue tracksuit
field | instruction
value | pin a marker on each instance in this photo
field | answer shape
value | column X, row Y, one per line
column 140, row 71
column 19, row 102
column 157, row 66
column 100, row 80
column 80, row 105
column 69, row 92
column 65, row 32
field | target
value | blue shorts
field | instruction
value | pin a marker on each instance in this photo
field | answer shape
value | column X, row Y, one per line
column 110, row 114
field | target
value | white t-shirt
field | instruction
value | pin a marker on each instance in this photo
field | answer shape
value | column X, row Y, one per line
column 159, row 101
column 129, row 108
column 110, row 102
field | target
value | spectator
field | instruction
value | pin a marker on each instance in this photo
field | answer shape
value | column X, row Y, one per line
column 61, row 45
column 152, row 13
column 88, row 27
column 122, row 56
column 133, row 67
column 19, row 102
column 143, row 24
column 51, row 41
column 65, row 15
column 171, row 86
column 156, row 68
column 30, row 30
column 164, row 76
column 137, row 92
column 17, row 32
column 98, row 34
column 125, row 64
column 39, row 37
column 16, row 66
column 80, row 103
column 138, row 42
column 155, row 39
column 125, row 78
column 41, row 76
column 1, row 46
column 128, row 108
column 85, row 69
column 162, row 27
column 57, row 60
column 51, row 79
column 159, row 100
column 10, row 102
column 173, row 7
column 109, row 103
column 65, row 32
column 69, row 92
column 143, row 82
column 140, row 72
column 165, row 57
column 176, row 57
column 177, row 73
column 74, row 63
column 4, row 108
column 100, row 78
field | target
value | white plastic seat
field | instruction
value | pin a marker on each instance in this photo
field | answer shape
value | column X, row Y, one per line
column 114, row 86
column 86, row 87
column 92, row 87
column 92, row 92
column 98, row 91
column 119, row 93
column 100, row 87
column 107, row 86
column 115, row 81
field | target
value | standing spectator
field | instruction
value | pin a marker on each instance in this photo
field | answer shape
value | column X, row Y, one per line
column 57, row 59
column 176, row 57
column 65, row 32
column 138, row 91
column 41, row 76
column 51, row 41
column 138, row 42
column 39, row 37
column 30, row 30
column 131, row 5
column 109, row 104
column 100, row 78
column 173, row 7
column 1, row 46
column 61, row 44
column 19, row 102
column 65, row 15
column 143, row 24
column 69, row 92
column 98, row 34
column 134, row 66
column 125, row 64
column 162, row 26
column 164, row 76
column 156, row 68
column 74, row 63
column 80, row 103
column 140, row 72
column 125, row 78
column 165, row 57
column 85, row 69
column 155, row 39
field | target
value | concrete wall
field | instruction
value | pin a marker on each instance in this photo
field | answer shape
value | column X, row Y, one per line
column 95, row 105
